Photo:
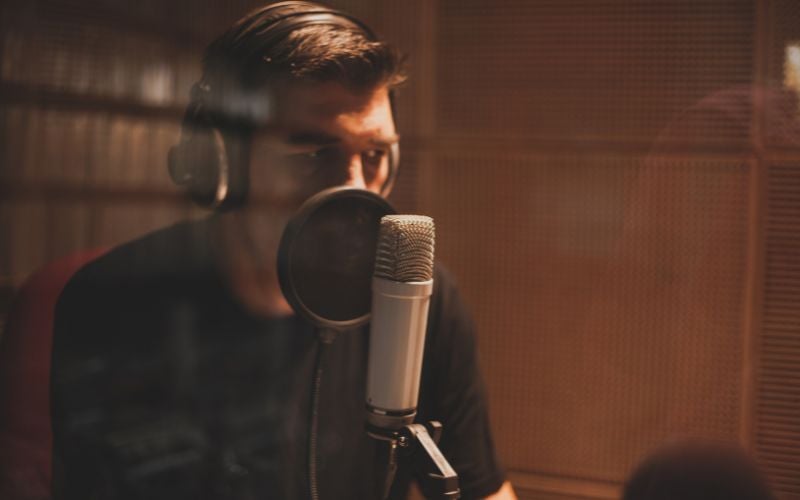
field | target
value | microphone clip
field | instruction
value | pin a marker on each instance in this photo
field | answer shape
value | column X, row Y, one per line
column 417, row 444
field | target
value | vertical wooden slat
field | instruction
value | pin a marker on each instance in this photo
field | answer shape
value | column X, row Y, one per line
column 777, row 413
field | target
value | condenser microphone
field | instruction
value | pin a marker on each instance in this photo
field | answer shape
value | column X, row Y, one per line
column 402, row 284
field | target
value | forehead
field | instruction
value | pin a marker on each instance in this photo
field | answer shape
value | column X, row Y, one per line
column 332, row 104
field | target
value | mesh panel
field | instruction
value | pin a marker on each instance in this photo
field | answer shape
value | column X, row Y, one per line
column 777, row 432
column 410, row 25
column 90, row 58
column 405, row 194
column 587, row 69
column 610, row 318
column 781, row 107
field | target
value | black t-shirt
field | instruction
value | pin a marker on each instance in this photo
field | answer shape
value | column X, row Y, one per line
column 164, row 386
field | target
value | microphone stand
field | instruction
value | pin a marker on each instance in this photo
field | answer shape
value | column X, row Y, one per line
column 417, row 444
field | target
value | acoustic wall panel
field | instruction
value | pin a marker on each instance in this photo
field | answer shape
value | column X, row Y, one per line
column 606, row 70
column 69, row 226
column 411, row 26
column 405, row 194
column 782, row 103
column 777, row 412
column 93, row 59
column 13, row 121
column 25, row 239
column 609, row 294
column 67, row 148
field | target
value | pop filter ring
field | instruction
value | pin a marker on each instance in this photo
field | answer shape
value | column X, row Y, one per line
column 293, row 231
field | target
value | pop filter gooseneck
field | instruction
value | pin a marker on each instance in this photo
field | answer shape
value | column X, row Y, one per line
column 325, row 263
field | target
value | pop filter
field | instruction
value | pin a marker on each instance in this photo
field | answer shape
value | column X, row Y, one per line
column 326, row 256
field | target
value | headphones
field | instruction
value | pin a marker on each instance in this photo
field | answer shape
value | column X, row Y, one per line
column 211, row 161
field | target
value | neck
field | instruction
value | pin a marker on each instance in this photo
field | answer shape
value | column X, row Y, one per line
column 251, row 275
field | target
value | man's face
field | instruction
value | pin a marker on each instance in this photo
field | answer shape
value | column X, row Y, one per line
column 323, row 135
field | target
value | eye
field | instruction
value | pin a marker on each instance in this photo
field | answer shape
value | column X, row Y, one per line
column 372, row 159
column 310, row 162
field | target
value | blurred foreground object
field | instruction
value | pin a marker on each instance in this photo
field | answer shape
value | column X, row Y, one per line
column 697, row 471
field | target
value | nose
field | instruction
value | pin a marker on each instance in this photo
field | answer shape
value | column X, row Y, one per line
column 355, row 173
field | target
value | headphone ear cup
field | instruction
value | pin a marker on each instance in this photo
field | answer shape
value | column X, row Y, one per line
column 194, row 164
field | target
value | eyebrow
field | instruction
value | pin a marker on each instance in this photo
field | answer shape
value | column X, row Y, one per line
column 311, row 138
column 385, row 141
column 323, row 139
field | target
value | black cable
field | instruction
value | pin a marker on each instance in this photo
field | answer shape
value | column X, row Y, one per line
column 326, row 337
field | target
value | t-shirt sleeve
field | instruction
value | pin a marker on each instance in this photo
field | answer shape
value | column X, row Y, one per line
column 453, row 392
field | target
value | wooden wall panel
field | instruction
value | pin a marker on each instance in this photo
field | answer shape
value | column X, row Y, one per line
column 777, row 411
column 609, row 297
column 588, row 70
column 782, row 68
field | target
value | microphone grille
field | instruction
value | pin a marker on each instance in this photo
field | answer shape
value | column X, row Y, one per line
column 405, row 248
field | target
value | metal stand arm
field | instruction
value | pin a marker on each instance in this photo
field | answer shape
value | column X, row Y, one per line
column 416, row 443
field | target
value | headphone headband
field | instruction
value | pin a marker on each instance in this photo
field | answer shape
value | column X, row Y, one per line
column 217, row 180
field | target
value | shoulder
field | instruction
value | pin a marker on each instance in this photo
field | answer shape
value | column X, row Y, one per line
column 176, row 249
column 446, row 303
column 131, row 280
column 451, row 336
column 443, row 280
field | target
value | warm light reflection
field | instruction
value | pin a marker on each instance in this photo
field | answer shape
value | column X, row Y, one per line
column 791, row 67
column 158, row 84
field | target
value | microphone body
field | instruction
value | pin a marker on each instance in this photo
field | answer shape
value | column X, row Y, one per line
column 397, row 343
column 401, row 291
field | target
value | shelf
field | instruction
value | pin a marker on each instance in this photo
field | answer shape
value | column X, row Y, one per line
column 12, row 93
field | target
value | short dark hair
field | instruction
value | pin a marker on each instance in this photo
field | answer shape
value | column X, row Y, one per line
column 249, row 58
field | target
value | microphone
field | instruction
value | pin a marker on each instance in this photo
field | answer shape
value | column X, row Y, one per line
column 402, row 284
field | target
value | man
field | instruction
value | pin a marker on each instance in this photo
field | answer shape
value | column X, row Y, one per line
column 179, row 369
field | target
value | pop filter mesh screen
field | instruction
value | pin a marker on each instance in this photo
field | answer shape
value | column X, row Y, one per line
column 333, row 258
